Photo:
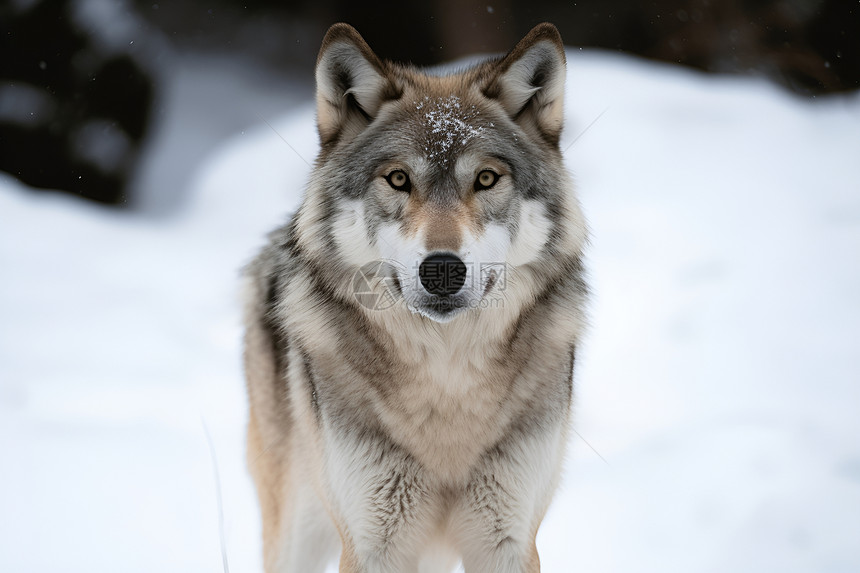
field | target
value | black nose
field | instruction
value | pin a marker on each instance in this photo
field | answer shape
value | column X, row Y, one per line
column 442, row 275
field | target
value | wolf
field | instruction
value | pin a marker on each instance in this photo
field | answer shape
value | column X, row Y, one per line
column 410, row 332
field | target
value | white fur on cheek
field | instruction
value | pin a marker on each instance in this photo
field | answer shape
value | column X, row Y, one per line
column 482, row 254
column 406, row 252
column 532, row 234
column 487, row 249
column 350, row 234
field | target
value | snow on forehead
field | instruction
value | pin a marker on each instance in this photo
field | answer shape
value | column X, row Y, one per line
column 447, row 124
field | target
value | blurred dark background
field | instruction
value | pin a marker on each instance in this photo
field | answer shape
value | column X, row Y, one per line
column 100, row 97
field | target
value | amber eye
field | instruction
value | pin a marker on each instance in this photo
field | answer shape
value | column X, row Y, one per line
column 486, row 179
column 398, row 180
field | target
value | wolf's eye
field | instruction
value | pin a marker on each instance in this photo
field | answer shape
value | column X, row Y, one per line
column 486, row 179
column 398, row 180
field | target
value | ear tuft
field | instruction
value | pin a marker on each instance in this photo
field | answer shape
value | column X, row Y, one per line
column 352, row 83
column 529, row 82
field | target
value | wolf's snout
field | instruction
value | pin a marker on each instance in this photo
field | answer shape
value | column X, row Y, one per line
column 443, row 274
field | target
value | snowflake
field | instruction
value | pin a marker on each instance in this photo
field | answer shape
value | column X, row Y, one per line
column 448, row 123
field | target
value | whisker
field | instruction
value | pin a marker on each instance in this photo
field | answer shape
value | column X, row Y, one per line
column 224, row 562
column 581, row 133
column 284, row 140
column 592, row 447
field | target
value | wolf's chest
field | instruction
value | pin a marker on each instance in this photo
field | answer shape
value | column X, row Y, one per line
column 450, row 409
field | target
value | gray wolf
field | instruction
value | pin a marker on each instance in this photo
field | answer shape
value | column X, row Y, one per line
column 410, row 435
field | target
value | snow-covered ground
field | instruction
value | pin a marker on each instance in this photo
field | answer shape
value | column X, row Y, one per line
column 720, row 381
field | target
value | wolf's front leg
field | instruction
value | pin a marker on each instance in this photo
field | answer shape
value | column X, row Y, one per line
column 498, row 515
column 384, row 507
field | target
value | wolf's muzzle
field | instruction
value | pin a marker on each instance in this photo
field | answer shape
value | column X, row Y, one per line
column 442, row 274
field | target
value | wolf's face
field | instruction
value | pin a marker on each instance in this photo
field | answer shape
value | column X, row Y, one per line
column 456, row 181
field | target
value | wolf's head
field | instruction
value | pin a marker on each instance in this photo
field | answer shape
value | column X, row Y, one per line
column 455, row 180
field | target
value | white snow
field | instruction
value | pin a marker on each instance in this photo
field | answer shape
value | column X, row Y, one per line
column 720, row 380
column 448, row 125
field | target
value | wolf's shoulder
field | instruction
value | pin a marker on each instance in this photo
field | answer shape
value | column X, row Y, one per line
column 277, row 260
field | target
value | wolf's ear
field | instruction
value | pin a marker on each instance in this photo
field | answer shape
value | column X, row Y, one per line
column 351, row 82
column 529, row 82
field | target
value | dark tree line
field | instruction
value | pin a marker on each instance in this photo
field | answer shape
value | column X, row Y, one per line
column 74, row 111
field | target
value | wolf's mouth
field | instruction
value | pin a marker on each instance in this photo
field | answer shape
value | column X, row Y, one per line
column 441, row 308
column 444, row 304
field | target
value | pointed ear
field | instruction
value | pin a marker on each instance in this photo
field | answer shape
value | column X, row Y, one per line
column 352, row 82
column 529, row 82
